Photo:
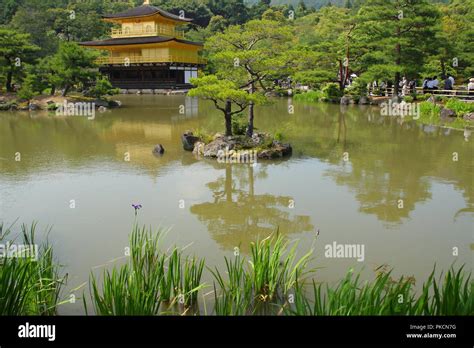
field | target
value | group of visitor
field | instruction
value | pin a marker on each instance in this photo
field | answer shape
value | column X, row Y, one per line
column 432, row 83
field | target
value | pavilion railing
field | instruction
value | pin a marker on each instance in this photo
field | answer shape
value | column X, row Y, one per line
column 157, row 30
column 155, row 59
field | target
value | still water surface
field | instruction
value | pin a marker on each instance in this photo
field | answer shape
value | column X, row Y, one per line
column 352, row 202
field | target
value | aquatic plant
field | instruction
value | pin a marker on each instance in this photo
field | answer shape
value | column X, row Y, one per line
column 29, row 285
column 273, row 280
column 136, row 207
column 150, row 279
column 266, row 282
column 235, row 295
column 453, row 294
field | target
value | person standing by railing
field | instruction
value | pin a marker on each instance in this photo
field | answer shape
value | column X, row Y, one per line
column 435, row 83
column 425, row 85
column 452, row 79
column 448, row 84
column 470, row 86
column 412, row 87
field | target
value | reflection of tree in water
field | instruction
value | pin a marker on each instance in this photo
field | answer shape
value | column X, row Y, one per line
column 400, row 165
column 238, row 215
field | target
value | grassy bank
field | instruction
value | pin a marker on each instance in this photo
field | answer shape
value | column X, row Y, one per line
column 272, row 280
column 430, row 113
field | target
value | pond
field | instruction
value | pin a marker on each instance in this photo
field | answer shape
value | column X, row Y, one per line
column 402, row 190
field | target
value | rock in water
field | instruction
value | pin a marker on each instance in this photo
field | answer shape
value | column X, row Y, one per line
column 158, row 149
column 199, row 148
column 345, row 100
column 188, row 139
column 33, row 107
column 447, row 113
column 278, row 150
column 469, row 116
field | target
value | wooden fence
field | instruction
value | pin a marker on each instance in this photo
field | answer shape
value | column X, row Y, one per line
column 455, row 93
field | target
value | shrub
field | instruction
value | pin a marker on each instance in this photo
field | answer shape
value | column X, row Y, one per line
column 332, row 92
column 205, row 137
column 357, row 89
column 424, row 96
column 239, row 124
column 52, row 107
column 459, row 106
column 27, row 90
column 278, row 136
column 311, row 96
column 408, row 99
column 102, row 88
column 429, row 109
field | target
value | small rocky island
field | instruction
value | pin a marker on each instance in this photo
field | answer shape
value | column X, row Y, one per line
column 236, row 148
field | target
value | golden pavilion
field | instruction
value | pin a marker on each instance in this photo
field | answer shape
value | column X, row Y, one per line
column 147, row 50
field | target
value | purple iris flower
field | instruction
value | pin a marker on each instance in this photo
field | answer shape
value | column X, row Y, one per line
column 136, row 207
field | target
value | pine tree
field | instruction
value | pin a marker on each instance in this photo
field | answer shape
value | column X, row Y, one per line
column 395, row 37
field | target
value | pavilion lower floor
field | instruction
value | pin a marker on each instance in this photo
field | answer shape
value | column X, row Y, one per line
column 149, row 76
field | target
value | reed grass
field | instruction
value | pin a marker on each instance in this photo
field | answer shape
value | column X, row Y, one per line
column 29, row 286
column 235, row 295
column 452, row 295
column 152, row 279
column 155, row 282
column 266, row 282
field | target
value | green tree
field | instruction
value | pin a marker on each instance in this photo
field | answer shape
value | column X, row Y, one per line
column 395, row 37
column 325, row 39
column 225, row 95
column 195, row 9
column 259, row 8
column 457, row 37
column 27, row 89
column 252, row 56
column 37, row 24
column 218, row 24
column 73, row 66
column 7, row 10
column 15, row 50
column 301, row 9
column 235, row 11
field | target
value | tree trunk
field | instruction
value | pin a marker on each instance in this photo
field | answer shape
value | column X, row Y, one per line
column 228, row 118
column 341, row 77
column 398, row 61
column 251, row 114
column 53, row 89
column 9, row 81
column 346, row 72
column 66, row 90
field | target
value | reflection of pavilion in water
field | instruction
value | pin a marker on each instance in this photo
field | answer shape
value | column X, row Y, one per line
column 190, row 109
column 238, row 215
column 137, row 136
